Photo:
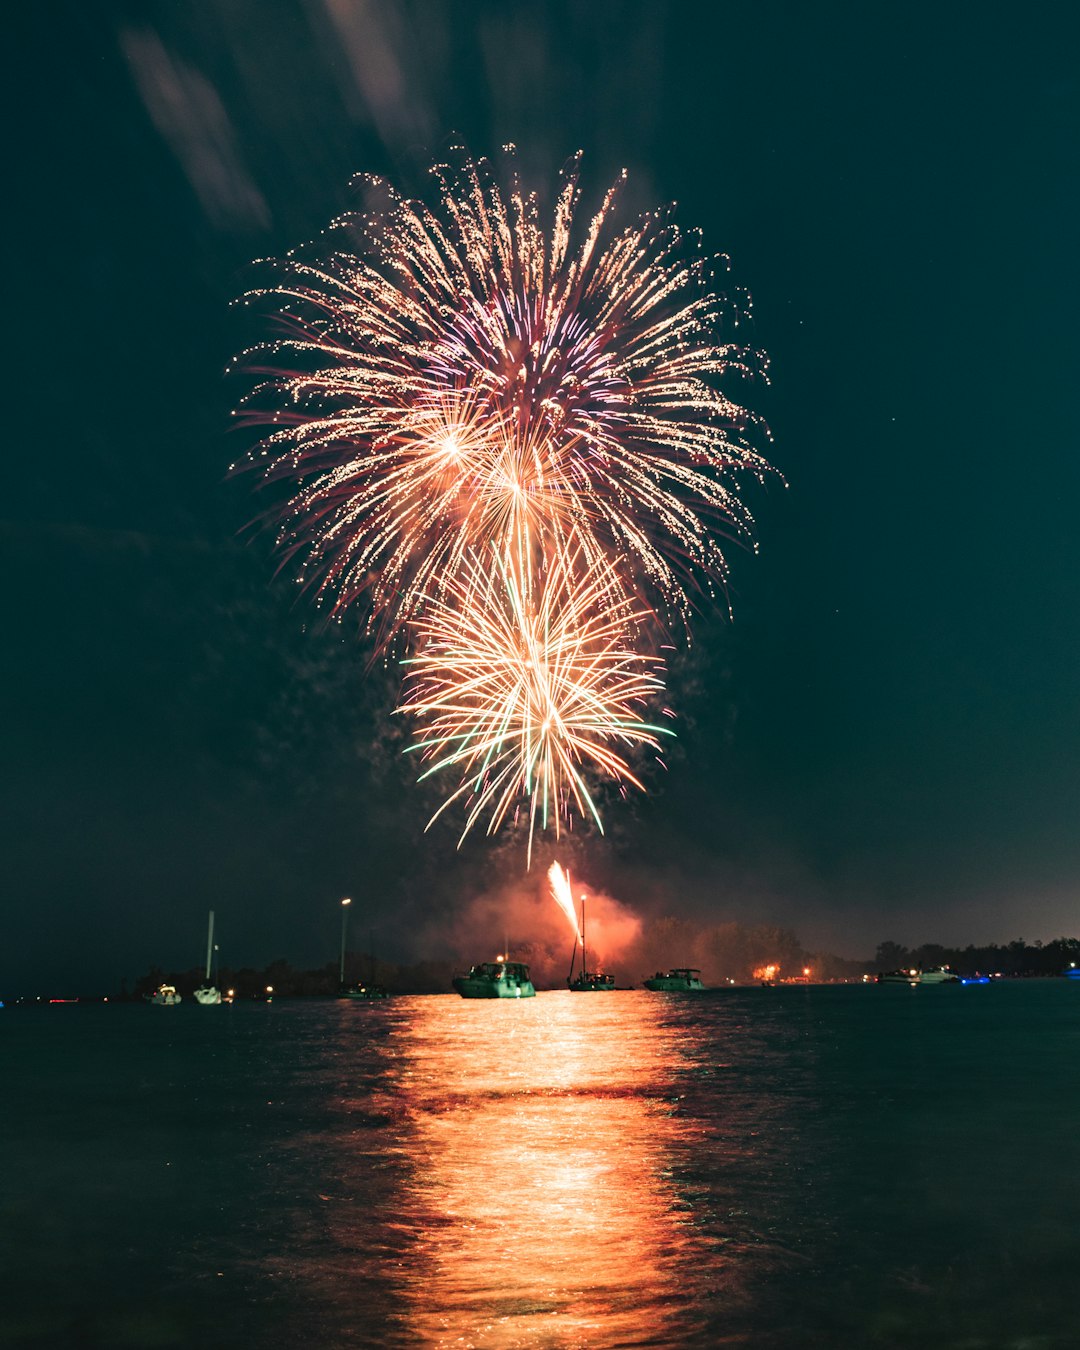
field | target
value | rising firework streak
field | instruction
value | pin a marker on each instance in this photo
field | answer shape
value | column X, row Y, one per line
column 560, row 891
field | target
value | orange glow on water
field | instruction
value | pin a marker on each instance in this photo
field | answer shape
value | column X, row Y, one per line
column 543, row 1200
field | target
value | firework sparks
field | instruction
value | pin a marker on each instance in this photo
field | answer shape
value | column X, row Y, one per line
column 472, row 378
column 508, row 442
column 525, row 686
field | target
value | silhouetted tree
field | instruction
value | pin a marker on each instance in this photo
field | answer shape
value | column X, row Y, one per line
column 891, row 956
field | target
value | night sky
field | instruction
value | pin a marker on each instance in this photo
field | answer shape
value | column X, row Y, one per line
column 884, row 741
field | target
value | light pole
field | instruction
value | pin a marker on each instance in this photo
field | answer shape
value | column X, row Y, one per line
column 344, row 922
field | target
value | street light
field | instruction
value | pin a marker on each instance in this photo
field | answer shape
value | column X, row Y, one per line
column 344, row 920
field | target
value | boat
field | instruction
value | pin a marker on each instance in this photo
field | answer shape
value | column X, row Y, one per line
column 587, row 981
column 361, row 990
column 496, row 979
column 591, row 982
column 913, row 976
column 207, row 993
column 675, row 981
column 165, row 996
column 939, row 975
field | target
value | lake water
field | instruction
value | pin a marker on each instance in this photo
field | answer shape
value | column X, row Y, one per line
column 762, row 1168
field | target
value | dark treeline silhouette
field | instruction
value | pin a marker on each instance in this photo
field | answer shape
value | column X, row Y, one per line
column 732, row 951
column 727, row 951
column 1016, row 958
column 425, row 977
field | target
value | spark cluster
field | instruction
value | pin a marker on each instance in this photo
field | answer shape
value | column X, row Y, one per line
column 505, row 440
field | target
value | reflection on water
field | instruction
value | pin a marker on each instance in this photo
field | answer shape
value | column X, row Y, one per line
column 540, row 1192
column 560, row 1174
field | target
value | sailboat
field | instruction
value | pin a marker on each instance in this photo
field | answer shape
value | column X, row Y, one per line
column 587, row 981
column 208, row 993
column 360, row 990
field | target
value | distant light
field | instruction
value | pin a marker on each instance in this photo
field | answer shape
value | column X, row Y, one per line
column 269, row 988
column 347, row 900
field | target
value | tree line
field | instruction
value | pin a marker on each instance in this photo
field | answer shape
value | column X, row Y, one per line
column 1016, row 958
column 726, row 951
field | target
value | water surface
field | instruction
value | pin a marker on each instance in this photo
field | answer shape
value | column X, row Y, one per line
column 761, row 1168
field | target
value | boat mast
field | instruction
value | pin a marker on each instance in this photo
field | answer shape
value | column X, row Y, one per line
column 573, row 952
column 209, row 945
column 584, row 963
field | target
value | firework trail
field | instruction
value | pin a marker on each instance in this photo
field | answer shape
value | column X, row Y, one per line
column 560, row 892
column 506, row 442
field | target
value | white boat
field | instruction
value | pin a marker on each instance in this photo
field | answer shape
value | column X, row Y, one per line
column 208, row 993
column 939, row 975
column 496, row 979
column 165, row 996
column 675, row 981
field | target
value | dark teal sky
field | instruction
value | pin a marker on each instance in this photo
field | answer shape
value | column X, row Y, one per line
column 885, row 741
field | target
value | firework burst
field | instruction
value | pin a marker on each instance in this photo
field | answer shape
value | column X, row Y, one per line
column 527, row 688
column 469, row 376
column 506, row 440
